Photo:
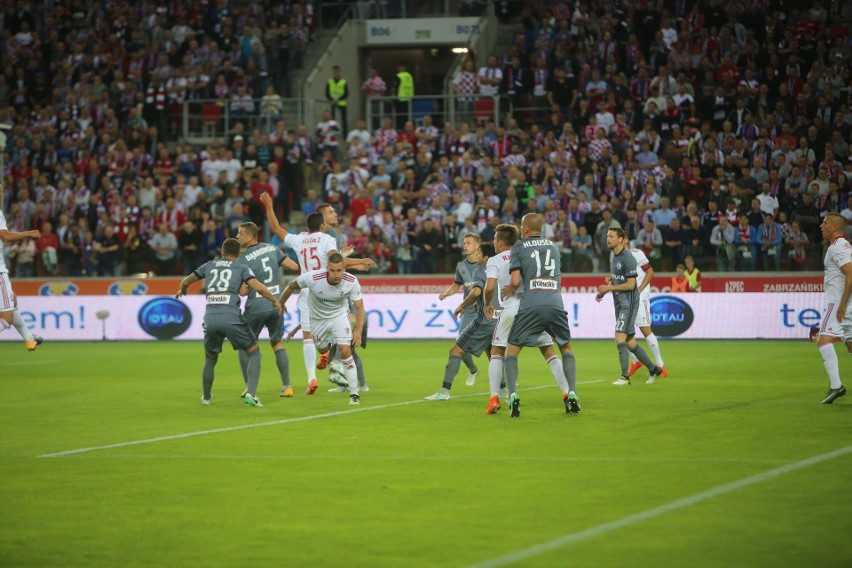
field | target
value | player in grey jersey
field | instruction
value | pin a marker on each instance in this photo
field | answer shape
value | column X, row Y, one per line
column 463, row 280
column 536, row 262
column 475, row 335
column 223, row 279
column 264, row 259
column 625, row 294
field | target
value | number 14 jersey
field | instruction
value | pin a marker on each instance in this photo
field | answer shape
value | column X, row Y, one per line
column 541, row 272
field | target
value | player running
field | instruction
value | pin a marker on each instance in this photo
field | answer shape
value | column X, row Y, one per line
column 9, row 314
column 223, row 278
column 331, row 289
column 837, row 283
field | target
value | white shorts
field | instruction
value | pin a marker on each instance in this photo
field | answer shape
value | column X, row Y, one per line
column 304, row 310
column 327, row 331
column 831, row 327
column 7, row 297
column 504, row 326
column 643, row 317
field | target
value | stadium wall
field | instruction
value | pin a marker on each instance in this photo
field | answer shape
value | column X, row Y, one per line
column 747, row 315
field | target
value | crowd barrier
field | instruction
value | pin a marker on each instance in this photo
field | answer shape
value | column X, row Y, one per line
column 747, row 315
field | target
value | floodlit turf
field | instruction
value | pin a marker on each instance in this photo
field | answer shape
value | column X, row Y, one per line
column 423, row 484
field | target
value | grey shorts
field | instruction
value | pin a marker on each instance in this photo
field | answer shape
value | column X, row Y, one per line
column 531, row 322
column 475, row 337
column 218, row 326
column 625, row 318
column 270, row 320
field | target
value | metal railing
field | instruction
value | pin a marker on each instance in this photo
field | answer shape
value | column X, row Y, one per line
column 331, row 13
column 203, row 120
column 480, row 109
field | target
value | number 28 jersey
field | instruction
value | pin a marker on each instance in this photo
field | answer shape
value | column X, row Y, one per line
column 541, row 272
column 311, row 249
column 222, row 280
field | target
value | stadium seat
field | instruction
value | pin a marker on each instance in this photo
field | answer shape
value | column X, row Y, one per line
column 211, row 116
column 483, row 110
column 421, row 108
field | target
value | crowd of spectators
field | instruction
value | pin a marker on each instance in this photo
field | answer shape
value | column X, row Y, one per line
column 713, row 129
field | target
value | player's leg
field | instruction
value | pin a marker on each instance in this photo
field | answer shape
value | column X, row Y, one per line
column 467, row 358
column 495, row 377
column 510, row 368
column 451, row 369
column 308, row 344
column 274, row 324
column 623, row 355
column 359, row 368
column 830, row 362
column 213, row 338
column 640, row 353
column 339, row 330
column 253, row 374
column 7, row 302
column 236, row 328
column 256, row 325
column 350, row 372
column 559, row 332
column 654, row 346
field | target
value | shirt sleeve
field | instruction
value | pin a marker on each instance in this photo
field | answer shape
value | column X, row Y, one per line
column 841, row 254
column 355, row 295
column 290, row 240
column 642, row 261
column 329, row 244
column 630, row 267
column 515, row 258
column 201, row 271
column 458, row 278
column 490, row 270
column 303, row 280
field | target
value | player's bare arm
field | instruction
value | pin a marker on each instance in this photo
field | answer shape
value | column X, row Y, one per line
column 274, row 226
column 847, row 290
column 255, row 285
column 360, row 318
column 490, row 284
column 289, row 291
column 452, row 289
column 600, row 295
column 649, row 274
column 629, row 284
column 291, row 265
column 186, row 283
column 12, row 236
column 472, row 296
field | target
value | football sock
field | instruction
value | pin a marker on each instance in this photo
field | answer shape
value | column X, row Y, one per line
column 283, row 362
column 569, row 367
column 19, row 324
column 633, row 358
column 310, row 359
column 359, row 366
column 243, row 357
column 624, row 358
column 468, row 361
column 654, row 346
column 510, row 366
column 643, row 357
column 558, row 373
column 253, row 371
column 3, row 325
column 829, row 360
column 333, row 353
column 207, row 376
column 451, row 370
column 495, row 374
column 351, row 374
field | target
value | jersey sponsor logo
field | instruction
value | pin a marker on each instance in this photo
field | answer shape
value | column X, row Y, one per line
column 127, row 289
column 543, row 284
column 218, row 299
column 164, row 317
column 670, row 316
column 58, row 289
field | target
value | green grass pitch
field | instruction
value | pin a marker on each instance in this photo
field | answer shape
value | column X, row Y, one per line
column 426, row 483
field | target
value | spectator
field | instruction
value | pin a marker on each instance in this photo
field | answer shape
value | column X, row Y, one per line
column 431, row 246
column 724, row 239
column 746, row 242
column 692, row 274
column 164, row 244
column 107, row 248
column 769, row 240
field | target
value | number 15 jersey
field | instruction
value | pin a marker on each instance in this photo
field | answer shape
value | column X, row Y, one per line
column 311, row 249
column 541, row 272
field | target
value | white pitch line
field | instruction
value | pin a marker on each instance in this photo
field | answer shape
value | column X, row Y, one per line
column 433, row 458
column 263, row 424
column 643, row 516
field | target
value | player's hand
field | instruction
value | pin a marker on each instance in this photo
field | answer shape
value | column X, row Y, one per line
column 841, row 315
column 181, row 292
column 458, row 311
column 347, row 251
column 278, row 307
column 508, row 291
column 608, row 280
column 292, row 332
column 266, row 199
column 603, row 289
column 36, row 234
column 599, row 298
column 489, row 312
column 356, row 339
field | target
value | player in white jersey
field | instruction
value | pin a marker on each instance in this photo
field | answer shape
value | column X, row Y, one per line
column 644, row 275
column 505, row 309
column 312, row 251
column 331, row 289
column 837, row 321
column 9, row 314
